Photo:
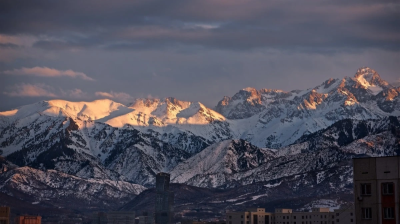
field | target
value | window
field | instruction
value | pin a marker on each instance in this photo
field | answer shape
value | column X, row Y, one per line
column 387, row 188
column 241, row 222
column 388, row 213
column 283, row 217
column 337, row 220
column 365, row 189
column 367, row 213
column 294, row 217
column 351, row 220
column 241, row 216
column 351, row 213
column 337, row 214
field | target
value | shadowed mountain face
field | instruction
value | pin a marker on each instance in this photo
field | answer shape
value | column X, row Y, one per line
column 262, row 147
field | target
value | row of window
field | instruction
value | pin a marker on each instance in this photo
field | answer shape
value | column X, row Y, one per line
column 388, row 213
column 306, row 222
column 302, row 217
column 387, row 189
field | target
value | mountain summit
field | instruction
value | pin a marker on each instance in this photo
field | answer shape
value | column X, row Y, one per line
column 266, row 141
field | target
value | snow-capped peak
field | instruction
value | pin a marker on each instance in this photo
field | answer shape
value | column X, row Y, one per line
column 370, row 79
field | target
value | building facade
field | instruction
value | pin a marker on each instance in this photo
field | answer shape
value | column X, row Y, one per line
column 164, row 200
column 121, row 217
column 4, row 215
column 145, row 220
column 251, row 216
column 28, row 219
column 287, row 216
column 376, row 190
column 315, row 216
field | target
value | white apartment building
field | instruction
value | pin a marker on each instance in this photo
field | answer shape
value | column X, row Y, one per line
column 316, row 216
column 287, row 216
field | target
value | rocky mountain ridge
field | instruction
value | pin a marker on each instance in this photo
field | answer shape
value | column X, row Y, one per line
column 266, row 138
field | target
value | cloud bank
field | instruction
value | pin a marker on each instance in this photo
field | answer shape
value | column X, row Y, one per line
column 119, row 96
column 31, row 90
column 48, row 72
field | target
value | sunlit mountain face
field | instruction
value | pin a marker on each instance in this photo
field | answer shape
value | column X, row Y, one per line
column 276, row 144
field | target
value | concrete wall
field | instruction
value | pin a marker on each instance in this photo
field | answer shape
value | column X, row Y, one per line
column 376, row 171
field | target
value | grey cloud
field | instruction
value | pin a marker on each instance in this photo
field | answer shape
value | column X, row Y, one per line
column 241, row 24
column 196, row 50
column 9, row 45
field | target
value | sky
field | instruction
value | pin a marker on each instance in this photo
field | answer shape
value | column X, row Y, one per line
column 198, row 50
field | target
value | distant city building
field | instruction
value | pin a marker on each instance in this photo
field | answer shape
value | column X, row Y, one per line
column 99, row 218
column 145, row 220
column 251, row 216
column 4, row 215
column 287, row 216
column 114, row 217
column 317, row 215
column 208, row 222
column 376, row 190
column 121, row 217
column 28, row 219
column 164, row 200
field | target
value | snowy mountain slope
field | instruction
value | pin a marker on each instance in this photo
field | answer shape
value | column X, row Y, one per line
column 142, row 114
column 297, row 192
column 315, row 153
column 58, row 188
column 107, row 140
column 90, row 149
column 286, row 116
column 271, row 118
column 221, row 159
column 347, row 131
column 272, row 169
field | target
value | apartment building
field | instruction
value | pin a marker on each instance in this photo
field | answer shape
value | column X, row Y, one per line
column 4, row 215
column 28, row 219
column 164, row 200
column 121, row 217
column 376, row 190
column 316, row 216
column 287, row 216
column 251, row 216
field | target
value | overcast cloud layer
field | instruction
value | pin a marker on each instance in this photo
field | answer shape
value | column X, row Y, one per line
column 197, row 50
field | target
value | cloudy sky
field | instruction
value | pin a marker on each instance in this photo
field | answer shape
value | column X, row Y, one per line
column 197, row 50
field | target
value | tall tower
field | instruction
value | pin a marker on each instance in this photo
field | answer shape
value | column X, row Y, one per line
column 164, row 199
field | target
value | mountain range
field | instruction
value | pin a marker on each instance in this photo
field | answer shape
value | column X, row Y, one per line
column 279, row 144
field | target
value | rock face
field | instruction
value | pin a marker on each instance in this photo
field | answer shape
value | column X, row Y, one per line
column 104, row 139
column 298, row 141
column 229, row 164
column 59, row 189
column 274, row 119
